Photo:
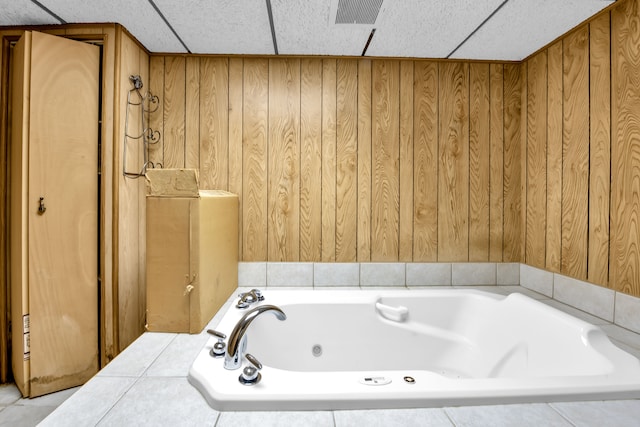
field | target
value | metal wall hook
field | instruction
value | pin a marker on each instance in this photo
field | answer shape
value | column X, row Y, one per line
column 145, row 104
column 41, row 207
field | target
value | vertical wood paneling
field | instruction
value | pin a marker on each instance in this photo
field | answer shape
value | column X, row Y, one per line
column 600, row 150
column 254, row 154
column 479, row 158
column 405, row 240
column 425, row 162
column 364, row 161
column 346, row 159
column 130, row 299
column 554, row 157
column 329, row 87
column 385, row 160
column 310, row 160
column 214, row 123
column 174, row 111
column 536, row 160
column 453, row 165
column 156, row 87
column 625, row 152
column 284, row 160
column 496, row 160
column 359, row 160
column 512, row 164
column 236, row 100
column 575, row 154
column 192, row 118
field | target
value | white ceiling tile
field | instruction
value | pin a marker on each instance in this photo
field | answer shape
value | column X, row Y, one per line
column 220, row 26
column 427, row 28
column 137, row 16
column 24, row 12
column 523, row 26
column 303, row 28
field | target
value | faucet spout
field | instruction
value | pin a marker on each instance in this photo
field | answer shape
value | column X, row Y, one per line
column 237, row 340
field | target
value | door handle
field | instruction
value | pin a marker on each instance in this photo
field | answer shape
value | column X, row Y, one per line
column 41, row 207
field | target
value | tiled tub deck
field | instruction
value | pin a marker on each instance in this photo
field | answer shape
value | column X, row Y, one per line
column 147, row 385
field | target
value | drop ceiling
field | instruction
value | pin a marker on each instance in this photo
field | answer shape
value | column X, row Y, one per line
column 458, row 29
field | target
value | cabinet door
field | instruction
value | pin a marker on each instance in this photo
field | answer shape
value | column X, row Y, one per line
column 61, row 210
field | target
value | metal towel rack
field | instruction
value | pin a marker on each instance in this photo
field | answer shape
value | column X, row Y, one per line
column 140, row 105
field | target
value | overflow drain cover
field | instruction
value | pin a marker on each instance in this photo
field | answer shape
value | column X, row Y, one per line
column 316, row 350
column 375, row 380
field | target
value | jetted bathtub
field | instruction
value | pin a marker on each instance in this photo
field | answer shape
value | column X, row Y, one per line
column 341, row 349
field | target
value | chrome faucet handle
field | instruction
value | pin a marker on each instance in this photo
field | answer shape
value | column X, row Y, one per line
column 250, row 374
column 218, row 349
column 248, row 298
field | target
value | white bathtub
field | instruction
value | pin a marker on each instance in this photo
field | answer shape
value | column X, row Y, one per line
column 415, row 348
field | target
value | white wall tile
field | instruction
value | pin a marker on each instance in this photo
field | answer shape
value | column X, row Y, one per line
column 336, row 274
column 473, row 273
column 536, row 279
column 252, row 274
column 289, row 274
column 382, row 274
column 428, row 274
column 627, row 311
column 508, row 273
column 593, row 299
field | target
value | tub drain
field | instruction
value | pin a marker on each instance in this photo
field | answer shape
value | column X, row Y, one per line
column 409, row 380
column 316, row 350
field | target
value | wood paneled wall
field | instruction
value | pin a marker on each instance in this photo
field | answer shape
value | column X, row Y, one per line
column 582, row 139
column 351, row 159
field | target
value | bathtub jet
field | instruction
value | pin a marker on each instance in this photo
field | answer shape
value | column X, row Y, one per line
column 368, row 349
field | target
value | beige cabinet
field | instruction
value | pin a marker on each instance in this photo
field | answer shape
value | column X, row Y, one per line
column 53, row 212
column 192, row 258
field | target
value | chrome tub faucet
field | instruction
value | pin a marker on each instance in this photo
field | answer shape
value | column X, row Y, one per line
column 237, row 343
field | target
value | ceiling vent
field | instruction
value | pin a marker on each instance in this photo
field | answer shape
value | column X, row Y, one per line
column 362, row 12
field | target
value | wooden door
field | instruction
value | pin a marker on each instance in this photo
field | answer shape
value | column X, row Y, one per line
column 60, row 218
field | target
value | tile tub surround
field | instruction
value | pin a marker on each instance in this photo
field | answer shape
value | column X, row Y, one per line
column 604, row 303
column 146, row 385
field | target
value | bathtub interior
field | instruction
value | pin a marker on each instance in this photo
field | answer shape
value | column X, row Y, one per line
column 460, row 346
column 473, row 335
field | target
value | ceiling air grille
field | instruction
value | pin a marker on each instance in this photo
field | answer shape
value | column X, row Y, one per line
column 357, row 11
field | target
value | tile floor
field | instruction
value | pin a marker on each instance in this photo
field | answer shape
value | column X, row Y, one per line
column 147, row 385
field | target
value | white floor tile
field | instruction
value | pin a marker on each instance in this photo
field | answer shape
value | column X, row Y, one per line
column 9, row 394
column 176, row 359
column 136, row 358
column 161, row 402
column 617, row 413
column 87, row 406
column 531, row 415
column 393, row 418
column 24, row 416
column 276, row 419
column 51, row 399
